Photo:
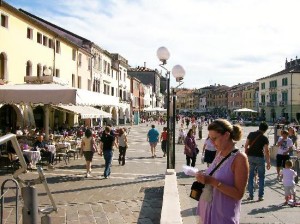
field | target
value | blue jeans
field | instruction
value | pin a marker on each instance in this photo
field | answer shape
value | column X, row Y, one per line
column 107, row 157
column 259, row 164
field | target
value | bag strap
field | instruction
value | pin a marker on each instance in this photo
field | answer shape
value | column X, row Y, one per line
column 252, row 143
column 223, row 160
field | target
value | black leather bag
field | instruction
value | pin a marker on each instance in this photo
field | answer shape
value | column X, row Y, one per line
column 196, row 190
column 197, row 187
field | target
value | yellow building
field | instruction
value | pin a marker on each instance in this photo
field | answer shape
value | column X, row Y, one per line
column 34, row 51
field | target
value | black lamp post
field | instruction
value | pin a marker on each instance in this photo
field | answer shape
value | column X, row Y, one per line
column 178, row 72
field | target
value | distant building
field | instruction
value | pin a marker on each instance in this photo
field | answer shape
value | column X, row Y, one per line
column 279, row 93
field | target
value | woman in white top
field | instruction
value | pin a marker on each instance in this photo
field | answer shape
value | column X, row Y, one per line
column 86, row 149
column 285, row 145
column 209, row 151
column 122, row 143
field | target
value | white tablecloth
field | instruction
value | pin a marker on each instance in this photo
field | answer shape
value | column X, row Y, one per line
column 51, row 148
column 33, row 156
column 63, row 145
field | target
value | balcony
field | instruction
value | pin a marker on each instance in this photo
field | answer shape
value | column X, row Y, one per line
column 262, row 104
column 45, row 79
column 272, row 104
column 272, row 89
column 282, row 103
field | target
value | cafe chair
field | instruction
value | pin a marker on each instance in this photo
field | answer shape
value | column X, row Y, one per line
column 62, row 152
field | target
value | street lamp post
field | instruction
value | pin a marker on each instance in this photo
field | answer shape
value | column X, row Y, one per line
column 178, row 72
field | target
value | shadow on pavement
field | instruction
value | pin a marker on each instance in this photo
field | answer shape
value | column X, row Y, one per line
column 152, row 205
column 59, row 179
column 270, row 208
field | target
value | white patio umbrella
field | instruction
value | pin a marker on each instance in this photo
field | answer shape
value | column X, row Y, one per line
column 245, row 110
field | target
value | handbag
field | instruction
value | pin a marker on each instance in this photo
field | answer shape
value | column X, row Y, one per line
column 197, row 187
column 93, row 145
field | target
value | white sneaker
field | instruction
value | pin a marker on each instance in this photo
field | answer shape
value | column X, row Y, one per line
column 88, row 175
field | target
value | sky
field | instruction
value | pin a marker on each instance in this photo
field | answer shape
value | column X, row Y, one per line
column 222, row 42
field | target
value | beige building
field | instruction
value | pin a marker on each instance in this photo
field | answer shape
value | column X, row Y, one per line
column 279, row 93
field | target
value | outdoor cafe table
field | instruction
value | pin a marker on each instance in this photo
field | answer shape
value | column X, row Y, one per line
column 34, row 156
column 64, row 145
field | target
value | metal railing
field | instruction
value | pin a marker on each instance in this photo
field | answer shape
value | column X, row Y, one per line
column 28, row 191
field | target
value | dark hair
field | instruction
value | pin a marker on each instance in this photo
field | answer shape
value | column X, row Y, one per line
column 288, row 163
column 263, row 126
column 190, row 132
column 121, row 131
column 165, row 128
column 222, row 126
column 152, row 126
column 88, row 133
column 107, row 129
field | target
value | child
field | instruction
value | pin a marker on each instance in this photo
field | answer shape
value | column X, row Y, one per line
column 163, row 139
column 288, row 175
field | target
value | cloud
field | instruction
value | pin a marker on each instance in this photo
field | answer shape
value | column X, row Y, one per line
column 222, row 41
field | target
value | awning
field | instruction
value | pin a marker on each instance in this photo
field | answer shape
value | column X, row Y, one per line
column 84, row 111
column 155, row 109
column 53, row 94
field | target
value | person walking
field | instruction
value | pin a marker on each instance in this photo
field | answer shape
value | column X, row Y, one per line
column 107, row 142
column 293, row 136
column 121, row 141
column 190, row 149
column 86, row 149
column 152, row 138
column 164, row 139
column 209, row 151
column 257, row 150
column 221, row 199
column 285, row 145
column 288, row 175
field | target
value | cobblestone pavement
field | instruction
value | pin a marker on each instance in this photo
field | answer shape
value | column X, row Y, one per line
column 134, row 192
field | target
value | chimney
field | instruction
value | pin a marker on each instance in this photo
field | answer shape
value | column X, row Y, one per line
column 145, row 64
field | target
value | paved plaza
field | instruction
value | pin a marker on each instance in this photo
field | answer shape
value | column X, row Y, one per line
column 134, row 193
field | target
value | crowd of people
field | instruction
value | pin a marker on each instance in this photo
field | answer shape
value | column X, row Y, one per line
column 231, row 172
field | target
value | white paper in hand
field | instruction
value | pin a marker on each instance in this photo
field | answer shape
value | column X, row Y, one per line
column 190, row 171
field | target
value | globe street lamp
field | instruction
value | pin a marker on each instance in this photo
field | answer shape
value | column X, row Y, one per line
column 178, row 73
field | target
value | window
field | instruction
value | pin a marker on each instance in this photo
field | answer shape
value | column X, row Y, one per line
column 263, row 98
column 89, row 61
column 28, row 68
column 112, row 91
column 74, row 55
column 99, row 63
column 50, row 43
column 79, row 59
column 73, row 80
column 284, row 96
column 57, row 73
column 273, row 84
column 45, row 40
column 263, row 85
column 39, row 70
column 104, row 89
column 284, row 82
column 57, row 47
column 4, row 20
column 108, row 68
column 79, row 82
column 105, row 64
column 273, row 97
column 39, row 38
column 29, row 33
